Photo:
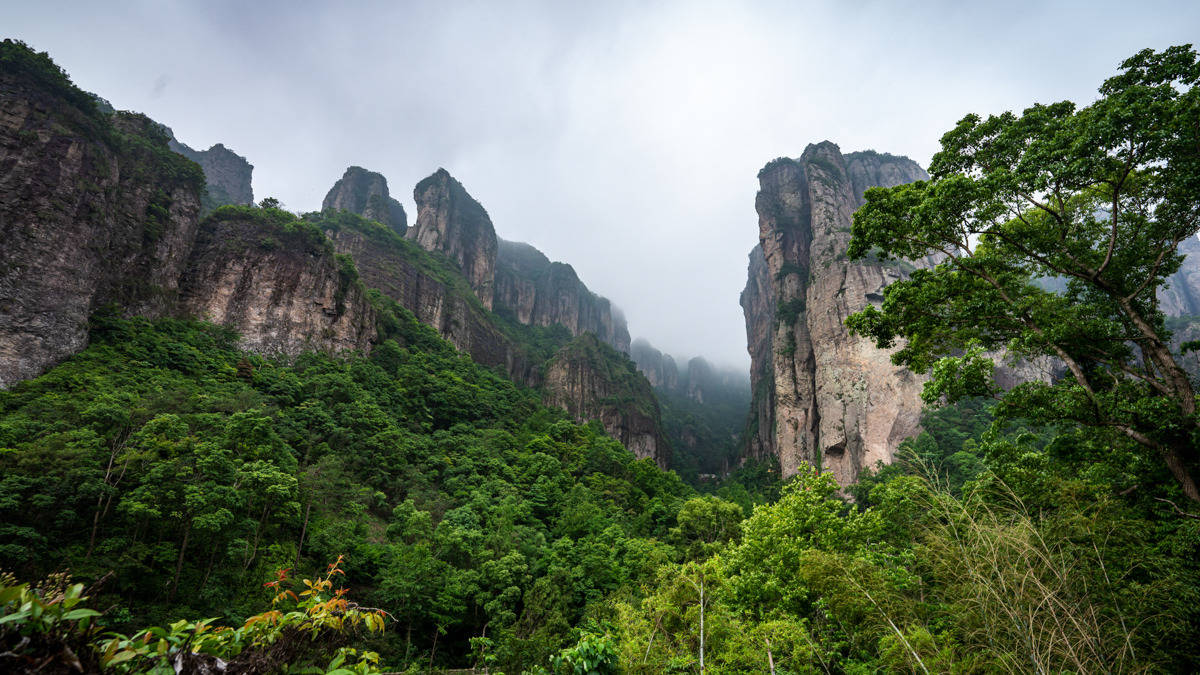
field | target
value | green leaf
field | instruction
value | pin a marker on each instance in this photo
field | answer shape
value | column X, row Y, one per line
column 121, row 657
column 81, row 613
column 14, row 617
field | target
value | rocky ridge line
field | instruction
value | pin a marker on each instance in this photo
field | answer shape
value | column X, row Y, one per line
column 366, row 193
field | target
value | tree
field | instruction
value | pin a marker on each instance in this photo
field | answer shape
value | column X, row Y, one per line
column 1097, row 197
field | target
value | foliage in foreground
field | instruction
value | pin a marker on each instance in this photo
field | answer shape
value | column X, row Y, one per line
column 928, row 581
column 43, row 630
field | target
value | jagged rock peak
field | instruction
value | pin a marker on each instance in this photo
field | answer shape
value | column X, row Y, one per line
column 868, row 168
column 450, row 221
column 541, row 292
column 366, row 193
column 227, row 173
column 820, row 395
column 93, row 210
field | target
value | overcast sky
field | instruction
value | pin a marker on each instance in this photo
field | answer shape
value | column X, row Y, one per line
column 620, row 137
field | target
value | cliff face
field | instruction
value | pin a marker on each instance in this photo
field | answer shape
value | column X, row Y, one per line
column 227, row 173
column 282, row 290
column 758, row 306
column 366, row 193
column 660, row 369
column 539, row 292
column 436, row 295
column 590, row 380
column 822, row 396
column 470, row 274
column 93, row 210
column 450, row 221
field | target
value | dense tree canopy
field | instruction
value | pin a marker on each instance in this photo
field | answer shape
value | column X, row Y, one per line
column 1099, row 197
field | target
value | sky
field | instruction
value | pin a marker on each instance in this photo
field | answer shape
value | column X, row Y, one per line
column 620, row 137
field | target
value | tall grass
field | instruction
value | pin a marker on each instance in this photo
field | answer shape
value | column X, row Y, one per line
column 1022, row 596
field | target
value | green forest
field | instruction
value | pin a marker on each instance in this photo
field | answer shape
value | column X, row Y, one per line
column 172, row 503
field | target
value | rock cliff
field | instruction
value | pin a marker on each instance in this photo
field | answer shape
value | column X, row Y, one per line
column 451, row 222
column 758, row 306
column 366, row 193
column 93, row 210
column 820, row 395
column 432, row 289
column 501, row 302
column 227, row 173
column 591, row 380
column 277, row 282
column 660, row 369
column 539, row 292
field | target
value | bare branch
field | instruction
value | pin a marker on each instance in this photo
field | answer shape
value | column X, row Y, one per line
column 1178, row 510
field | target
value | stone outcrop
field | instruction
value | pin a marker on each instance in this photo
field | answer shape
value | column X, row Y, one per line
column 226, row 173
column 758, row 306
column 436, row 295
column 821, row 395
column 366, row 193
column 590, row 380
column 660, row 369
column 282, row 291
column 539, row 292
column 440, row 272
column 451, row 222
column 93, row 210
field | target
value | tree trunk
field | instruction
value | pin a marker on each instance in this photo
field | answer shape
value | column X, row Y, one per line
column 179, row 563
column 258, row 535
column 303, row 531
column 1179, row 470
column 212, row 556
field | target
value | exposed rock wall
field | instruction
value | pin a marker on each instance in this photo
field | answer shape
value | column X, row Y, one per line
column 837, row 400
column 758, row 306
column 93, row 210
column 660, row 369
column 590, row 380
column 96, row 209
column 227, row 173
column 539, row 292
column 284, row 292
column 433, row 298
column 450, row 221
column 366, row 193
